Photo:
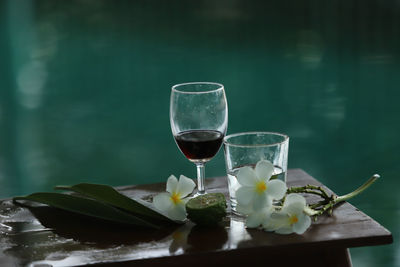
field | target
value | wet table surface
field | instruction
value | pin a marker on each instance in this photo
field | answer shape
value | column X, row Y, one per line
column 45, row 236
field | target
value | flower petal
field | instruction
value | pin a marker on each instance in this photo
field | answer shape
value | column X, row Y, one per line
column 276, row 189
column 280, row 216
column 302, row 225
column 270, row 224
column 264, row 170
column 284, row 230
column 280, row 219
column 294, row 208
column 294, row 204
column 261, row 201
column 172, row 183
column 255, row 219
column 246, row 176
column 246, row 210
column 177, row 212
column 162, row 202
column 280, row 223
column 185, row 186
column 245, row 195
column 295, row 198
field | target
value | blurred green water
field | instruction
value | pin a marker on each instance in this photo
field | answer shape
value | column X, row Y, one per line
column 85, row 85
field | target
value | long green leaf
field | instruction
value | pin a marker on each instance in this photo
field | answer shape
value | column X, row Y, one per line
column 109, row 195
column 87, row 207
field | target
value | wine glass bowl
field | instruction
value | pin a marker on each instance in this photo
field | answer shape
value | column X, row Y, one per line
column 199, row 120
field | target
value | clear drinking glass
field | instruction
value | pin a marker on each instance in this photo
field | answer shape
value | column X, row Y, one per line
column 199, row 119
column 246, row 149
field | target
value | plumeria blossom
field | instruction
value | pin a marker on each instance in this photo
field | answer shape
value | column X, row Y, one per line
column 173, row 201
column 291, row 218
column 256, row 190
column 254, row 218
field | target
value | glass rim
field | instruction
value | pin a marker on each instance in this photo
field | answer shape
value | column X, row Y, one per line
column 226, row 139
column 220, row 86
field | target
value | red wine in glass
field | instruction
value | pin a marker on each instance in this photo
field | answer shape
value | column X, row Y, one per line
column 199, row 145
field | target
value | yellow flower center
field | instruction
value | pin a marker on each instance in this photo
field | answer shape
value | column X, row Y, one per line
column 293, row 219
column 176, row 198
column 261, row 187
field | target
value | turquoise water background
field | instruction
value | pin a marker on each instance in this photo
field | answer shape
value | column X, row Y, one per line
column 85, row 86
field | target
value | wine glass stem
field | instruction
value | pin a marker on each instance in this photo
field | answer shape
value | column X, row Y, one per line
column 200, row 178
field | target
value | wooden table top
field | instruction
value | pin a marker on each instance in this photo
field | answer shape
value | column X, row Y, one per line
column 45, row 235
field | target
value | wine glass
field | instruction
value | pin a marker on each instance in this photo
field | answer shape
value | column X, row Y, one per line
column 199, row 119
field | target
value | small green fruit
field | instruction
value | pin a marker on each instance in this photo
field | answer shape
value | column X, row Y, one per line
column 207, row 210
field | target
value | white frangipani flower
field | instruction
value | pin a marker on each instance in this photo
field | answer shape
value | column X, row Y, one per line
column 291, row 218
column 254, row 218
column 173, row 202
column 257, row 190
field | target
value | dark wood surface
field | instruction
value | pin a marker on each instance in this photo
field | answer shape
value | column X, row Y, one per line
column 46, row 235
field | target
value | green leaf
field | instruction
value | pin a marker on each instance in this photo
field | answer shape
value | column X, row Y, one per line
column 109, row 195
column 87, row 207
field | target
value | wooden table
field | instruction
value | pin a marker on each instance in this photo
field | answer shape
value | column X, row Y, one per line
column 46, row 235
